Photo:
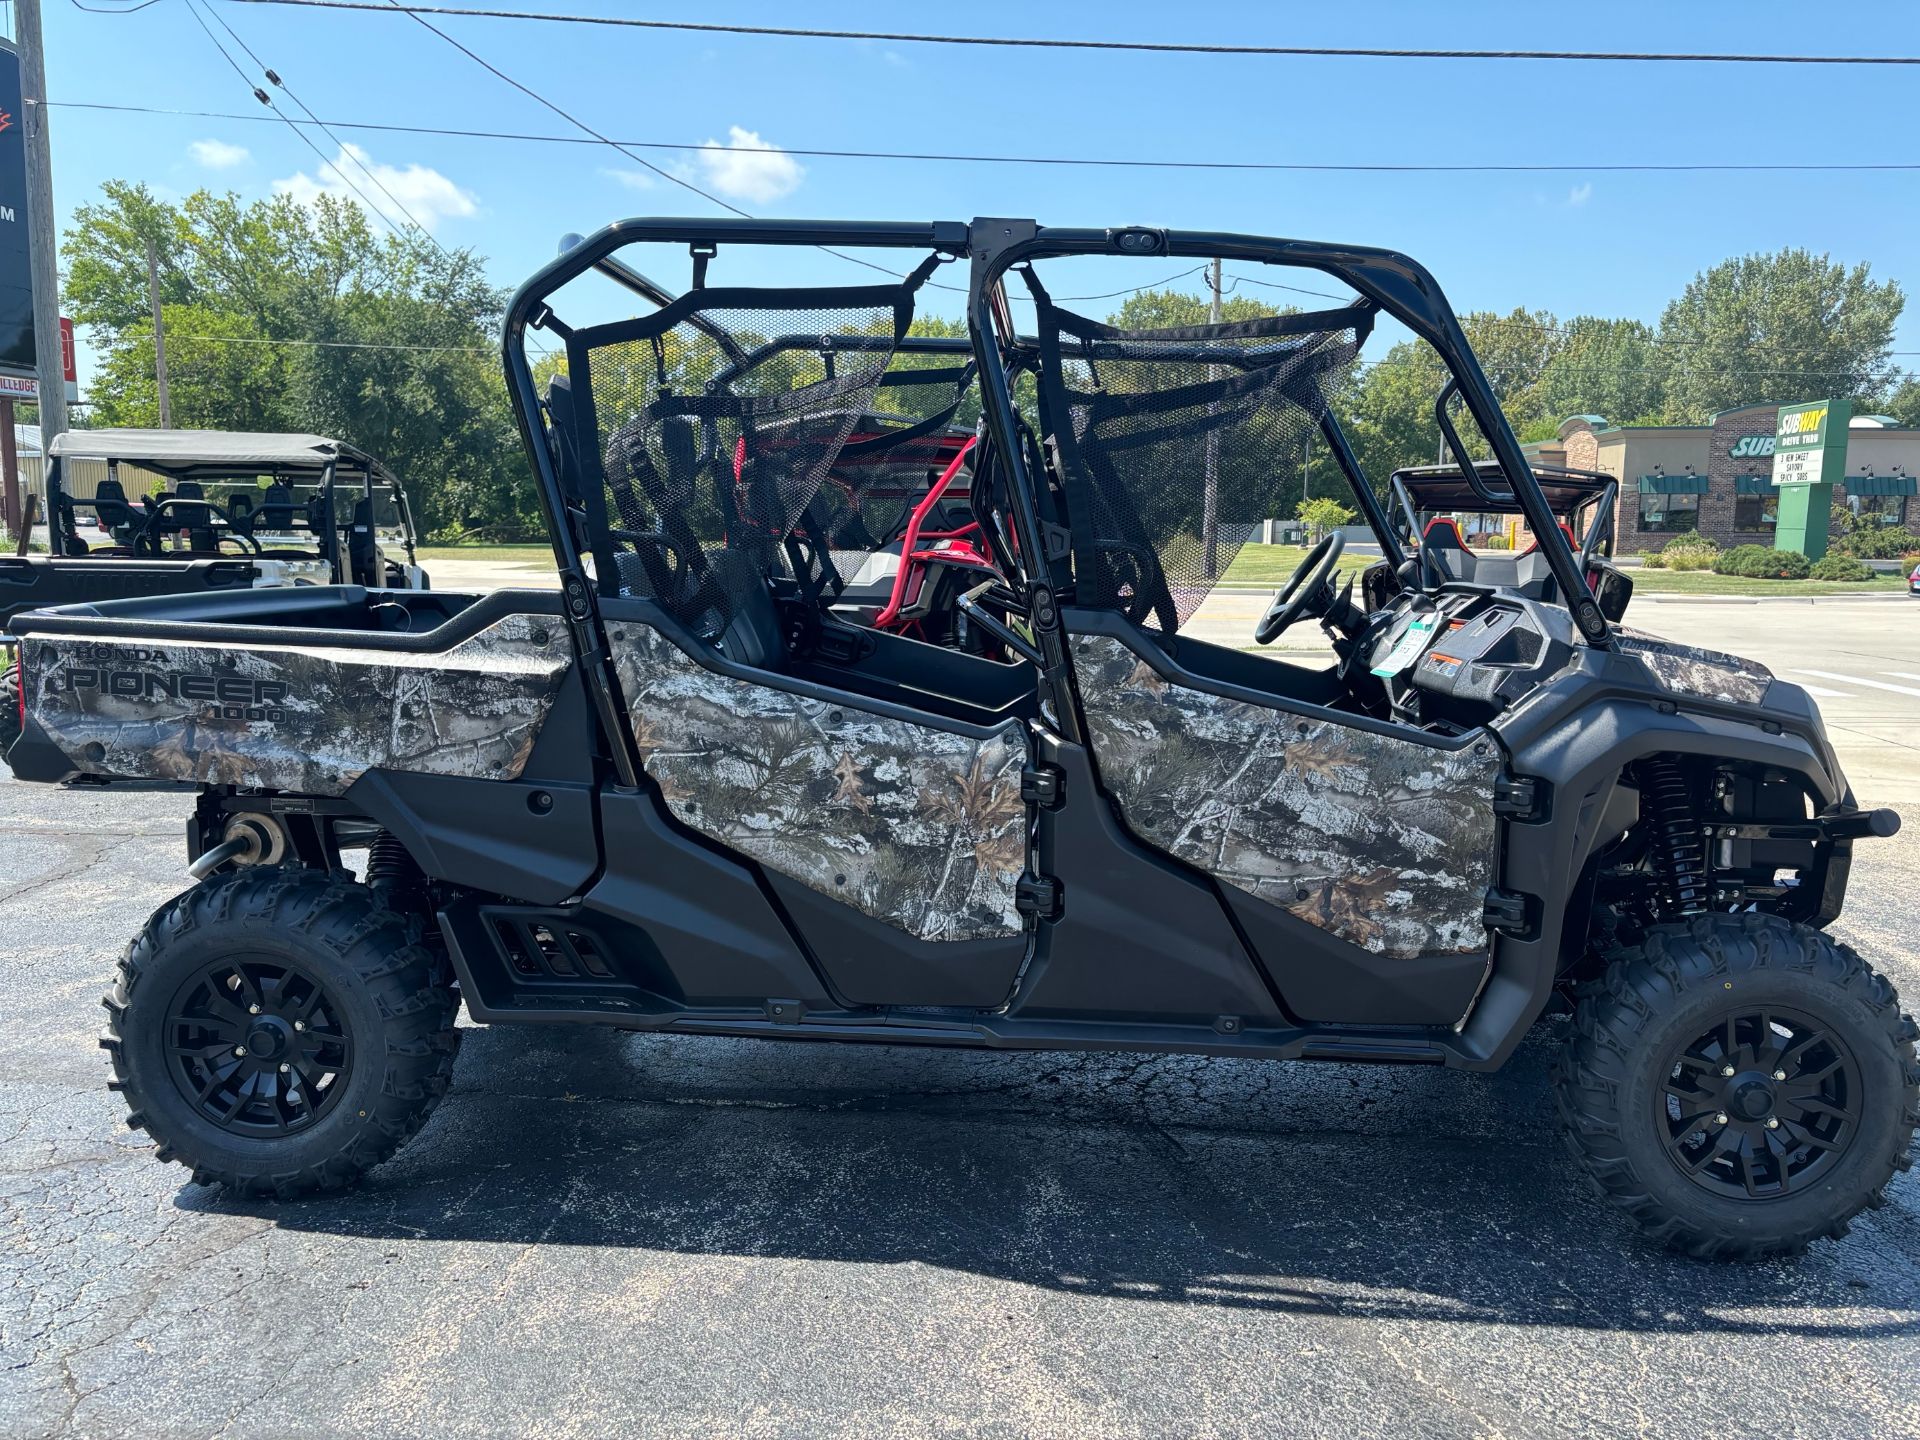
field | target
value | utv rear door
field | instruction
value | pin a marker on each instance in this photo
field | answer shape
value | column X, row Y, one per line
column 884, row 820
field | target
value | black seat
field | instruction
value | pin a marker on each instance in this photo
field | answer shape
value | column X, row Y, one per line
column 191, row 517
column 240, row 510
column 363, row 552
column 276, row 509
column 110, row 505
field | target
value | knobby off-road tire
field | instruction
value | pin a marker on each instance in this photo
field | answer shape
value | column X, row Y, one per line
column 9, row 707
column 351, row 1046
column 1723, row 992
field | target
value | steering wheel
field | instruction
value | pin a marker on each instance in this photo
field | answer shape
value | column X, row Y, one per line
column 1306, row 593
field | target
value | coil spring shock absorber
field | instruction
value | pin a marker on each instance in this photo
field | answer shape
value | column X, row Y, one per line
column 1679, row 846
column 389, row 864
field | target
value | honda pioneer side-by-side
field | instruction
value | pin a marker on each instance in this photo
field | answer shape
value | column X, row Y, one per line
column 842, row 726
column 282, row 510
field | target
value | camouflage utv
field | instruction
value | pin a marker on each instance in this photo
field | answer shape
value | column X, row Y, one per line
column 702, row 789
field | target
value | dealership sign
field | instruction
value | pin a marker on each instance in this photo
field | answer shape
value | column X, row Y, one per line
column 1810, row 442
column 16, row 276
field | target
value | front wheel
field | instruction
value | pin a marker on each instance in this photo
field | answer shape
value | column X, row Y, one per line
column 279, row 1031
column 1740, row 1086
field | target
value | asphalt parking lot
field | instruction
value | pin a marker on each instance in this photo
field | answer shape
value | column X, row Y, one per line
column 600, row 1234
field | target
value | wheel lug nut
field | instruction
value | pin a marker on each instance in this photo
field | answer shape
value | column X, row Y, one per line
column 1773, row 1122
column 255, row 1010
column 285, row 1068
column 1779, row 1074
column 1721, row 1118
column 1726, row 1072
column 239, row 1049
column 301, row 1025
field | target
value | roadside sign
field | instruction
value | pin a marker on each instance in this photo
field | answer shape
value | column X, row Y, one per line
column 1810, row 442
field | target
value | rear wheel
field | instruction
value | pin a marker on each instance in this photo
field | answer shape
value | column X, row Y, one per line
column 279, row 1031
column 9, row 708
column 1740, row 1086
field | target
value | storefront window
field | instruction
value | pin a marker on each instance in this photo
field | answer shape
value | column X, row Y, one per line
column 1756, row 512
column 1881, row 510
column 1669, row 514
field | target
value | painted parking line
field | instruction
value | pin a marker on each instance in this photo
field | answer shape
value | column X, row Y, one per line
column 1820, row 692
column 1862, row 680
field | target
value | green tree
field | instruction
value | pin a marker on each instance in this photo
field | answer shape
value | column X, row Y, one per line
column 1322, row 514
column 1787, row 326
column 282, row 316
column 1603, row 367
column 1904, row 403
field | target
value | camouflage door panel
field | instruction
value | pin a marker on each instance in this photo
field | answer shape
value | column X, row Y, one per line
column 1387, row 843
column 1689, row 670
column 916, row 826
column 310, row 719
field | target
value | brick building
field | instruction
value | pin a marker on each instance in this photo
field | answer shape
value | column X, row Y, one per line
column 1717, row 478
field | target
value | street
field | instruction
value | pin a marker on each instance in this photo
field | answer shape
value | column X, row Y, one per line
column 606, row 1234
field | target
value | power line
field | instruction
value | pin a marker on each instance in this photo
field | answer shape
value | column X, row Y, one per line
column 1145, row 46
column 580, row 124
column 274, row 78
column 1101, row 162
column 267, row 100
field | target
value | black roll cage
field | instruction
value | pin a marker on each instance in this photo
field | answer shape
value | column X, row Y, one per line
column 1383, row 279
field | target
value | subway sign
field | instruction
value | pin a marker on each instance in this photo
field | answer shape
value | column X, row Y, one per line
column 1810, row 442
column 1752, row 447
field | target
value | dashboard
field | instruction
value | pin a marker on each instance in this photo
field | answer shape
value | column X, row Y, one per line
column 1460, row 656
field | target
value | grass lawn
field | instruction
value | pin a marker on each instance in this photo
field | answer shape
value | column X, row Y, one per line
column 1272, row 565
column 522, row 554
column 1705, row 582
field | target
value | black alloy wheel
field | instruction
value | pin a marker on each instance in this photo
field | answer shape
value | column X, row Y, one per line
column 1763, row 1103
column 259, row 1047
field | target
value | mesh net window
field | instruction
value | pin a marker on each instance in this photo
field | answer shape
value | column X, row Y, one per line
column 1174, row 445
column 713, row 425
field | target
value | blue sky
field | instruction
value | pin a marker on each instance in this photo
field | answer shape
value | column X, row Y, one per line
column 1583, row 240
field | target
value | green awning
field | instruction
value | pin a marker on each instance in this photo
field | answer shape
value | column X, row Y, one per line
column 1881, row 485
column 1753, row 484
column 1673, row 484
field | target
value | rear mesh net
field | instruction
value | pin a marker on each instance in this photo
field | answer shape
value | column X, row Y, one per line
column 715, row 424
column 1174, row 445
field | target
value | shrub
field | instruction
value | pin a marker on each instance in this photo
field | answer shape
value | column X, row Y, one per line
column 1841, row 567
column 1728, row 562
column 1692, row 551
column 1878, row 543
column 1762, row 562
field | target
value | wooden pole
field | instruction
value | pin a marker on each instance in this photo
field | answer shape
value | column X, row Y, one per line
column 9, row 468
column 40, row 228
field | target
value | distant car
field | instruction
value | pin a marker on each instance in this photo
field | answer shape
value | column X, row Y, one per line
column 1913, row 581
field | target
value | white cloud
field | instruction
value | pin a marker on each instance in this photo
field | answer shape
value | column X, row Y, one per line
column 429, row 196
column 218, row 154
column 1579, row 195
column 749, row 168
column 632, row 179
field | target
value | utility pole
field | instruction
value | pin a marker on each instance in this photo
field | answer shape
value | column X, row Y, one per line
column 159, row 336
column 1210, row 508
column 40, row 230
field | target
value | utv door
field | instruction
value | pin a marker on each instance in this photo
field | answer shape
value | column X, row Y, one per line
column 886, row 825
column 1354, row 856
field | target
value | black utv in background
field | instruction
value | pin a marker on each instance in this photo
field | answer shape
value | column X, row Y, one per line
column 194, row 511
column 705, row 788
